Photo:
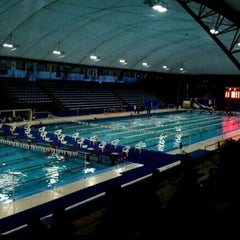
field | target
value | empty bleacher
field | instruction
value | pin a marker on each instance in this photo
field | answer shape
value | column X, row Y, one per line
column 76, row 97
column 132, row 94
column 81, row 95
column 25, row 94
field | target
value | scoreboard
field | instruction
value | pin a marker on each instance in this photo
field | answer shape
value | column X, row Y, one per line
column 232, row 93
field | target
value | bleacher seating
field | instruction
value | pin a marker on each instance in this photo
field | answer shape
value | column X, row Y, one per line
column 79, row 96
column 75, row 95
column 25, row 94
column 133, row 95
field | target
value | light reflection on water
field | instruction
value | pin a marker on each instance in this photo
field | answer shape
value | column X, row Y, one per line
column 52, row 174
column 25, row 175
column 159, row 132
column 8, row 181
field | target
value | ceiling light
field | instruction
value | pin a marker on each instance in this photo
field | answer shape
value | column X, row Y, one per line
column 95, row 58
column 10, row 46
column 165, row 67
column 57, row 52
column 157, row 5
column 123, row 61
column 182, row 70
column 145, row 64
column 8, row 43
column 214, row 31
column 160, row 7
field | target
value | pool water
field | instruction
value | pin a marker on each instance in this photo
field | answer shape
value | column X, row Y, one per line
column 160, row 132
column 25, row 172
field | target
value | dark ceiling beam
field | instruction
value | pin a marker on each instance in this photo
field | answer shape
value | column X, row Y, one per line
column 200, row 17
column 222, row 8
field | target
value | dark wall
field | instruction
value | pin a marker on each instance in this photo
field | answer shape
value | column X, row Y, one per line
column 174, row 88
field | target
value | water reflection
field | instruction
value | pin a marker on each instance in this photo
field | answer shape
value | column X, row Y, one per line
column 161, row 142
column 53, row 174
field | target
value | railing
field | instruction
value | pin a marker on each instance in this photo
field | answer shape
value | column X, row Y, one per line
column 216, row 145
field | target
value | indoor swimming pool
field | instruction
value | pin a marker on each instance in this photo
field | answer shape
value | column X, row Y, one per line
column 157, row 132
column 25, row 171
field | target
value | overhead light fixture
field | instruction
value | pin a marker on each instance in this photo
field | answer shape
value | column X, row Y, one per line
column 160, row 7
column 157, row 5
column 95, row 58
column 213, row 31
column 165, row 67
column 123, row 61
column 8, row 43
column 182, row 70
column 10, row 46
column 145, row 64
column 214, row 25
column 58, row 52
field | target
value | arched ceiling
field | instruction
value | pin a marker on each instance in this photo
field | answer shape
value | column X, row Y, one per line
column 114, row 29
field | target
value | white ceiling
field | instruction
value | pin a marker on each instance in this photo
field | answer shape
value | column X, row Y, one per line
column 114, row 29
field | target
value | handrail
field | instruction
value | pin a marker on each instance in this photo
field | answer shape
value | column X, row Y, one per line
column 218, row 143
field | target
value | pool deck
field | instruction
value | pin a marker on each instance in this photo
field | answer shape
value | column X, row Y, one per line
column 18, row 206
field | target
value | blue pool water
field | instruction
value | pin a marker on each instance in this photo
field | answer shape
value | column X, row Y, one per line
column 24, row 172
column 160, row 132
